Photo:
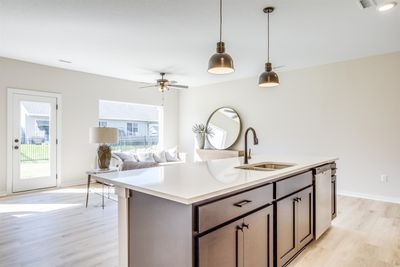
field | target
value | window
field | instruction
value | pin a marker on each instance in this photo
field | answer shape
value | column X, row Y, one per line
column 102, row 124
column 132, row 128
column 139, row 126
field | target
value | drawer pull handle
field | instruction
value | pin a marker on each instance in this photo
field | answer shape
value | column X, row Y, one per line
column 242, row 203
column 297, row 199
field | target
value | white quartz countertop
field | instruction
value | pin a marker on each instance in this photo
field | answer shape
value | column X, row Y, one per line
column 188, row 183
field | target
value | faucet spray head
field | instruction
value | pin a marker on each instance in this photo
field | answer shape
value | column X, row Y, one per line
column 255, row 140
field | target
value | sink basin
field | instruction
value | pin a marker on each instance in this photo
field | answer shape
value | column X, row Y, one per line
column 266, row 166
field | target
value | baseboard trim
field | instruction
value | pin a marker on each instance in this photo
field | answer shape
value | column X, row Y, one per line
column 371, row 197
column 74, row 182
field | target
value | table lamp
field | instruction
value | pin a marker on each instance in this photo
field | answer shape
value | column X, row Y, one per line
column 104, row 137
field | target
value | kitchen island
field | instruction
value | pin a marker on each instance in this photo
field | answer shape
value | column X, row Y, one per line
column 215, row 214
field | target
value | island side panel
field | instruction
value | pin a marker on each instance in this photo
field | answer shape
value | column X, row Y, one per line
column 160, row 232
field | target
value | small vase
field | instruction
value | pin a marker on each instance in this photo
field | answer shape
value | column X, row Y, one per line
column 200, row 140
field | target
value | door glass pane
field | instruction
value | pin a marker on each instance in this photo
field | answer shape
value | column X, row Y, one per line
column 34, row 140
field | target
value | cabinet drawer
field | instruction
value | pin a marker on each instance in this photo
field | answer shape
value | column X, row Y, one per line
column 220, row 211
column 290, row 185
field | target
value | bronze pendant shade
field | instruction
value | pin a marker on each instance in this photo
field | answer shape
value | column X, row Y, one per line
column 268, row 78
column 220, row 62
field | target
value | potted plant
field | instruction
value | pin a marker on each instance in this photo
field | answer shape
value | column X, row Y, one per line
column 201, row 131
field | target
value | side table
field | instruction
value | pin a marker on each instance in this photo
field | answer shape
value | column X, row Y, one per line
column 94, row 172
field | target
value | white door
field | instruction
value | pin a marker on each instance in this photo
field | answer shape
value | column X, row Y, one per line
column 34, row 133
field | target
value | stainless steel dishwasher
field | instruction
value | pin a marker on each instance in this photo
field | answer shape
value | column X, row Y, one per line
column 323, row 199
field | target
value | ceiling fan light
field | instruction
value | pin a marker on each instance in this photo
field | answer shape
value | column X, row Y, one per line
column 220, row 62
column 387, row 6
column 162, row 89
column 268, row 78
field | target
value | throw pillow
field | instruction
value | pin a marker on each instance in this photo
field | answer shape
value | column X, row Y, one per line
column 172, row 154
column 145, row 157
column 133, row 165
column 125, row 156
column 159, row 156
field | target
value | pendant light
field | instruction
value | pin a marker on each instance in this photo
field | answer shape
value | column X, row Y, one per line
column 268, row 78
column 220, row 62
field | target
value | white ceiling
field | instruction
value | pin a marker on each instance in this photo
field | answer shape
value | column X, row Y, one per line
column 131, row 39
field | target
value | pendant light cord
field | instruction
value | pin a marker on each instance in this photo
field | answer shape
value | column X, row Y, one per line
column 220, row 20
column 268, row 37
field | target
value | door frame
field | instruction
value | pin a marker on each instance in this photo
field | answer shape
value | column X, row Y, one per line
column 10, row 93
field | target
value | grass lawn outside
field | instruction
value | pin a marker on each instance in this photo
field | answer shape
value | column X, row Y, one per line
column 31, row 152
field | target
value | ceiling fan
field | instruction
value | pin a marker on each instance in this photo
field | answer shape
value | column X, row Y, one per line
column 164, row 84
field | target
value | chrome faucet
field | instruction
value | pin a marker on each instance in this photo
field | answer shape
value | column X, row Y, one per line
column 247, row 154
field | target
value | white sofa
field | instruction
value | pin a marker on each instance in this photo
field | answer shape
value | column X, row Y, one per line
column 129, row 161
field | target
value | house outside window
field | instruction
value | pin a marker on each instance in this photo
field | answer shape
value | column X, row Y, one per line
column 42, row 128
column 132, row 128
column 139, row 126
column 102, row 124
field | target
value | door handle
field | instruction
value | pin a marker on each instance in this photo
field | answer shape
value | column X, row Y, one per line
column 16, row 140
column 239, row 246
column 242, row 203
column 16, row 147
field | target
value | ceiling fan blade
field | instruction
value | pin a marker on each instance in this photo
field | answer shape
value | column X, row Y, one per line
column 149, row 86
column 178, row 86
column 278, row 67
column 172, row 82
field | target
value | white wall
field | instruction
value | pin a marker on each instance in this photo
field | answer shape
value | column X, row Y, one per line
column 81, row 93
column 349, row 109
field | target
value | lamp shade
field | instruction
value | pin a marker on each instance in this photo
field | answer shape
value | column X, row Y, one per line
column 220, row 62
column 268, row 78
column 103, row 135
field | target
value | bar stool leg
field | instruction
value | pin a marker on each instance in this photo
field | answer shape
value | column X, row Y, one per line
column 102, row 197
column 88, row 188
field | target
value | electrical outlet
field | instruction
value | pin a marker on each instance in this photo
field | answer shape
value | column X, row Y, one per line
column 384, row 178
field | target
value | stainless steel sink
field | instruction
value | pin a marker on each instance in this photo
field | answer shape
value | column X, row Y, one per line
column 266, row 166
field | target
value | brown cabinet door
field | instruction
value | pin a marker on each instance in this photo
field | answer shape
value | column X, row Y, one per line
column 286, row 229
column 222, row 247
column 258, row 238
column 305, row 218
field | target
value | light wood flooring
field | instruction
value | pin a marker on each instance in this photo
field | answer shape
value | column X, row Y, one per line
column 365, row 233
column 53, row 228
